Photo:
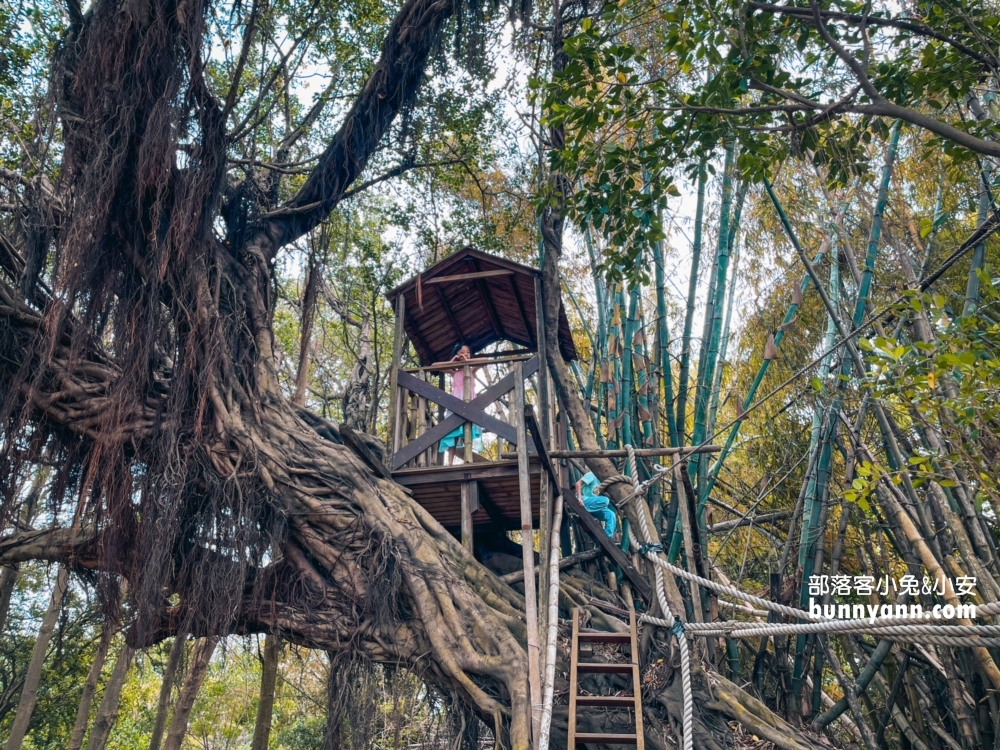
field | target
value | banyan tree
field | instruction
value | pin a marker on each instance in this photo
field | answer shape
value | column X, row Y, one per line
column 141, row 232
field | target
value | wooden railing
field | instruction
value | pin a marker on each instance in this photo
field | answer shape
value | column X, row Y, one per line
column 425, row 413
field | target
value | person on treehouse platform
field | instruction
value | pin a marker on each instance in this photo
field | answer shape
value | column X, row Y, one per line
column 597, row 505
column 461, row 353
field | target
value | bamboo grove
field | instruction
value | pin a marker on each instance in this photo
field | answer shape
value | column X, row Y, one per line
column 871, row 479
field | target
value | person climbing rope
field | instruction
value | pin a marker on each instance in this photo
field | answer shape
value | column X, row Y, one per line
column 597, row 505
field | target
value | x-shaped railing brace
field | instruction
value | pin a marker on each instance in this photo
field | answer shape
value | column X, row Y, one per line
column 462, row 412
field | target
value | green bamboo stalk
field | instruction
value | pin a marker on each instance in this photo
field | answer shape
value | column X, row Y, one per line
column 810, row 508
column 600, row 289
column 640, row 353
column 685, row 367
column 707, row 359
column 663, row 368
column 827, row 439
column 628, row 374
column 614, row 387
column 979, row 252
column 779, row 336
column 728, row 307
column 708, row 349
column 936, row 220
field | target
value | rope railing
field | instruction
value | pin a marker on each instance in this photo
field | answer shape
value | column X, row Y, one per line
column 912, row 629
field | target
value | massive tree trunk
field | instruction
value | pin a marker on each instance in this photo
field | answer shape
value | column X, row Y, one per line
column 151, row 354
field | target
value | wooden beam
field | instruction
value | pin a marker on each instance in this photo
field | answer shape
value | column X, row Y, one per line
column 528, row 554
column 425, row 475
column 450, row 314
column 488, row 299
column 592, row 525
column 397, row 354
column 524, row 317
column 488, row 359
column 466, row 409
column 467, row 276
column 487, row 397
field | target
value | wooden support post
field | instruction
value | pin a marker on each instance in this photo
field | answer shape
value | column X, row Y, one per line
column 422, row 420
column 467, row 427
column 528, row 554
column 395, row 409
column 545, row 534
column 470, row 504
column 544, row 495
column 437, row 454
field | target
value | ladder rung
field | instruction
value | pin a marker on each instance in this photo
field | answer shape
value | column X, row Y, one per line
column 606, row 739
column 606, row 701
column 605, row 668
column 596, row 637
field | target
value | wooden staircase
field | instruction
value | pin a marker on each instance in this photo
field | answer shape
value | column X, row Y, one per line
column 577, row 667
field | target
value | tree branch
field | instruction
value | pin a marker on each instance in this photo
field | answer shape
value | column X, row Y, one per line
column 391, row 87
column 916, row 28
column 234, row 90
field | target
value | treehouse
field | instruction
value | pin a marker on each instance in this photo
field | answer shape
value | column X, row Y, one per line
column 492, row 305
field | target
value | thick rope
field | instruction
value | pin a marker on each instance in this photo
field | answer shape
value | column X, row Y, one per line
column 669, row 621
column 905, row 629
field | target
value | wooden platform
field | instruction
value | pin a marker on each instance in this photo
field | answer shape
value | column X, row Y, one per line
column 439, row 490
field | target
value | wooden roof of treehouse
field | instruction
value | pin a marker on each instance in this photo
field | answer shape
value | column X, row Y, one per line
column 476, row 298
column 479, row 299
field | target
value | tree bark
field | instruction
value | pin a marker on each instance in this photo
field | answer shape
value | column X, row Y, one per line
column 107, row 713
column 268, row 682
column 338, row 686
column 166, row 688
column 192, row 684
column 8, row 576
column 29, row 692
column 8, row 579
column 313, row 272
column 89, row 689
column 358, row 391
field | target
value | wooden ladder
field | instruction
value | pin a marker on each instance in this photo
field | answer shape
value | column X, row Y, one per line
column 633, row 701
